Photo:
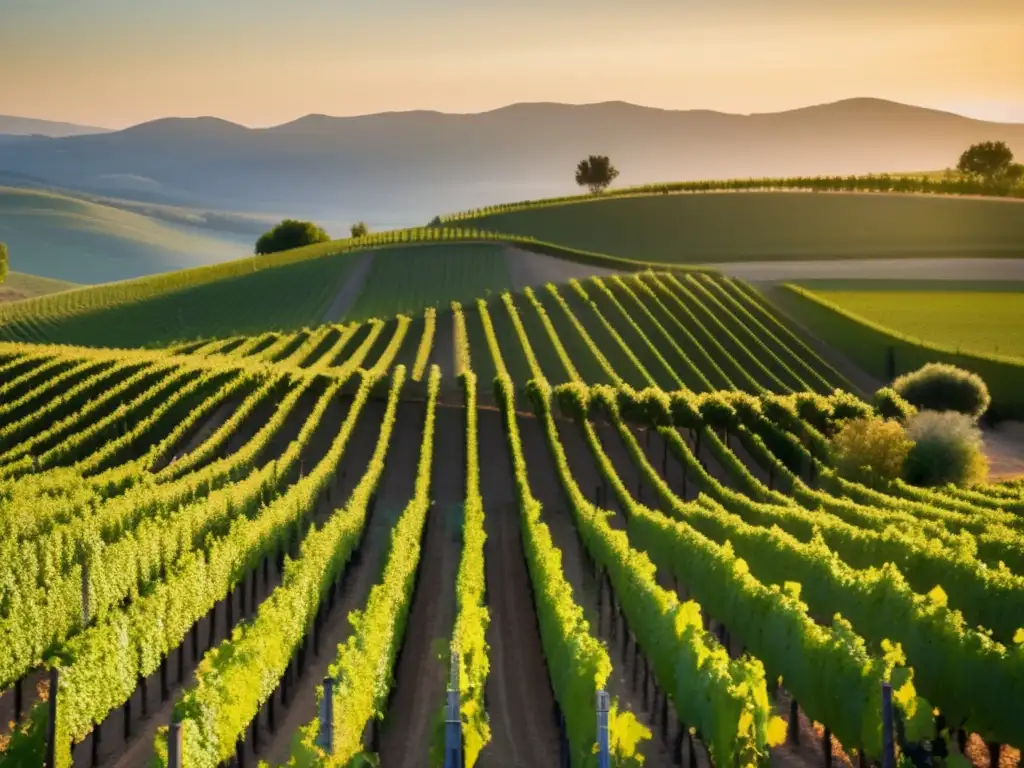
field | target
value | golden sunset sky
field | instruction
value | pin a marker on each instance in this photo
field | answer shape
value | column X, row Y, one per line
column 115, row 63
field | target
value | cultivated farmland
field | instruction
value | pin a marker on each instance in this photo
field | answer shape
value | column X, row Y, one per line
column 713, row 228
column 619, row 483
column 975, row 317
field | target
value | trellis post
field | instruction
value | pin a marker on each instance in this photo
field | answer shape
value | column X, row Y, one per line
column 888, row 742
column 603, row 754
column 453, row 757
column 325, row 736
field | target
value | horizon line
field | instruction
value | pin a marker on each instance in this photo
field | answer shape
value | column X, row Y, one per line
column 619, row 102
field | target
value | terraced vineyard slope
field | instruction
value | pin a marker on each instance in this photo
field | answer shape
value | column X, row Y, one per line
column 277, row 547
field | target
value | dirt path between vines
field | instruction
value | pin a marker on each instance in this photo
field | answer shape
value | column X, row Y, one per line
column 518, row 695
column 443, row 351
column 422, row 669
column 365, row 567
column 181, row 666
column 544, row 481
column 350, row 289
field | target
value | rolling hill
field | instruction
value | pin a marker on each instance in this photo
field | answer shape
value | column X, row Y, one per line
column 69, row 238
column 752, row 226
column 29, row 126
column 18, row 286
column 401, row 169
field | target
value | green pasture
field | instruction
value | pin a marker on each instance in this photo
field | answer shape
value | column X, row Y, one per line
column 750, row 226
column 983, row 318
column 876, row 330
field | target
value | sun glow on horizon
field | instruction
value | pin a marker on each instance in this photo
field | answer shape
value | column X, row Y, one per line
column 111, row 63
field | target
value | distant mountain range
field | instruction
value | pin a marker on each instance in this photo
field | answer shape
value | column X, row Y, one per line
column 29, row 126
column 401, row 168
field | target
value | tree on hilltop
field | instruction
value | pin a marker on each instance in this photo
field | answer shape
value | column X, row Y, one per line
column 359, row 229
column 3, row 262
column 596, row 172
column 289, row 234
column 991, row 161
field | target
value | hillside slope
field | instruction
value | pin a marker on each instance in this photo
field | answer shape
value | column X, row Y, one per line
column 398, row 168
column 342, row 280
column 749, row 226
column 19, row 286
column 68, row 238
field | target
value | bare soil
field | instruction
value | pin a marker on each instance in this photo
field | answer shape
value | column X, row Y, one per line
column 350, row 288
column 546, row 485
column 361, row 573
column 153, row 701
column 1004, row 445
column 528, row 268
column 421, row 672
column 201, row 433
column 443, row 351
column 519, row 698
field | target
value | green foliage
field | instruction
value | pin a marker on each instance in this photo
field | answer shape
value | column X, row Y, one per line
column 870, row 450
column 463, row 361
column 596, row 173
column 733, row 710
column 947, row 449
column 469, row 636
column 290, row 234
column 942, row 387
column 573, row 400
column 780, row 409
column 845, row 407
column 582, row 662
column 718, row 412
column 815, row 409
column 364, row 666
column 426, row 344
column 747, row 406
column 359, row 229
column 686, row 410
column 869, row 344
column 4, row 262
column 889, row 404
column 990, row 161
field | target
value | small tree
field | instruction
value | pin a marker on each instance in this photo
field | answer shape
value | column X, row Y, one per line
column 596, row 172
column 289, row 234
column 992, row 161
column 3, row 262
column 359, row 229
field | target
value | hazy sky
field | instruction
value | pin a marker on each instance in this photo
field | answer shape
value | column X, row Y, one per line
column 263, row 62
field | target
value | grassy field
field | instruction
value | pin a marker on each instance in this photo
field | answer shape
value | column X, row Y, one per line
column 721, row 227
column 20, row 286
column 985, row 318
column 68, row 238
column 882, row 346
column 409, row 279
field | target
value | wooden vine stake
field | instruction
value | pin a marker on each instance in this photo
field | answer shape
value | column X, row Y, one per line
column 888, row 741
column 325, row 736
column 603, row 753
column 51, row 724
column 453, row 756
column 174, row 744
